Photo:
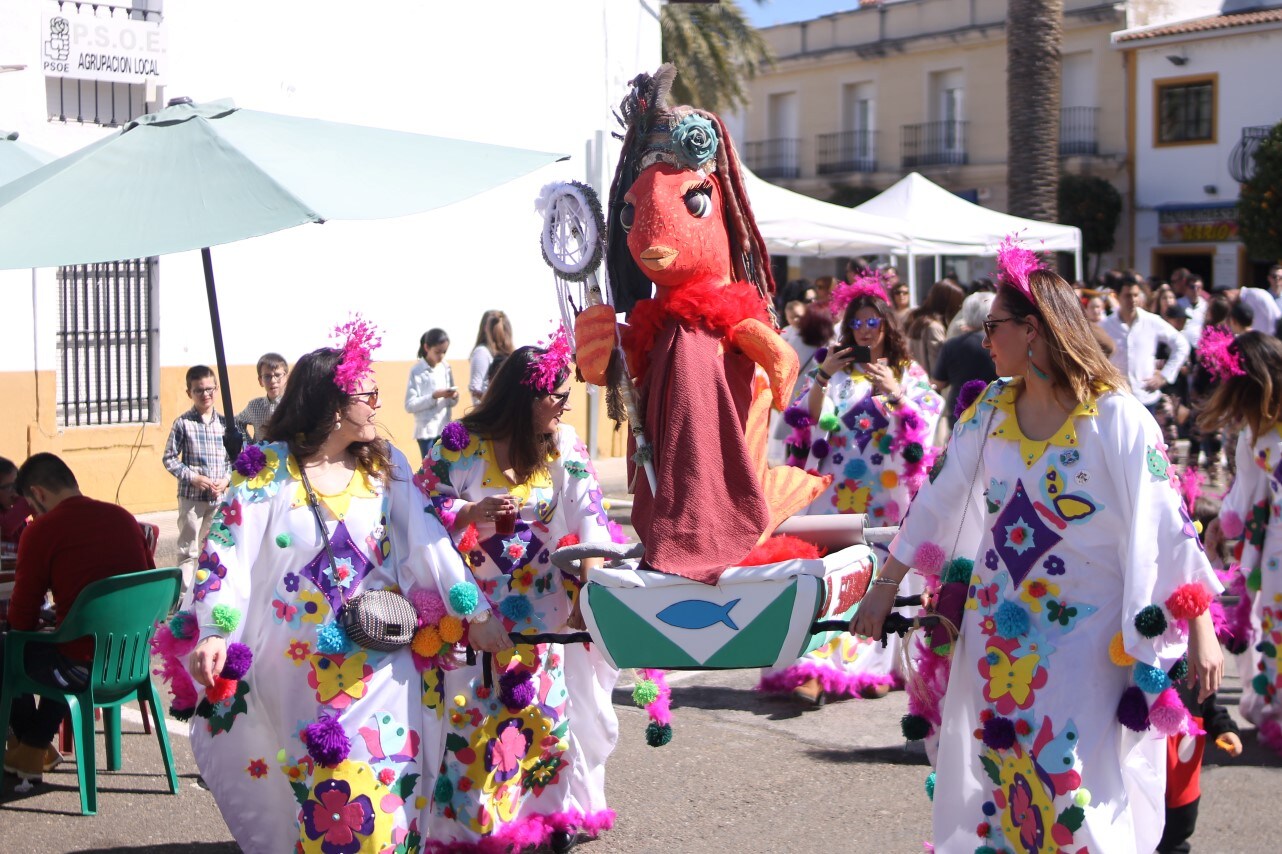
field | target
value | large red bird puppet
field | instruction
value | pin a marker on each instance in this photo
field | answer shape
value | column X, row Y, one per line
column 704, row 351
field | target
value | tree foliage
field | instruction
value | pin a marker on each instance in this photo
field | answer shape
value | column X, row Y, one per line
column 1259, row 205
column 1092, row 204
column 715, row 49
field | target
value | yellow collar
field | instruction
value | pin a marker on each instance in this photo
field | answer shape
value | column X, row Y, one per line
column 496, row 477
column 1031, row 450
column 360, row 486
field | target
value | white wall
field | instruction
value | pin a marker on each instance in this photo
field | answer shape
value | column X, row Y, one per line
column 1179, row 174
column 541, row 75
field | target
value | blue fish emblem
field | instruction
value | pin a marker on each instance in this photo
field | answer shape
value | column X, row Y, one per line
column 698, row 614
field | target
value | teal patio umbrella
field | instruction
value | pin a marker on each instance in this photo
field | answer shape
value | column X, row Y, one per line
column 193, row 176
column 18, row 158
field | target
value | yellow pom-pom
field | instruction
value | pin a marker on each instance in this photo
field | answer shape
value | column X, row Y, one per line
column 1082, row 798
column 1197, row 526
column 460, row 700
column 1117, row 652
column 427, row 642
column 563, row 745
column 420, row 802
column 605, row 505
column 450, row 629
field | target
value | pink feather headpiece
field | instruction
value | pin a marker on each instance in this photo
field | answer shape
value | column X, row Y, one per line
column 543, row 372
column 1015, row 264
column 1215, row 352
column 358, row 339
column 864, row 285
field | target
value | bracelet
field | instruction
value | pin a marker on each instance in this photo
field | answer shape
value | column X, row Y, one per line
column 822, row 374
column 889, row 582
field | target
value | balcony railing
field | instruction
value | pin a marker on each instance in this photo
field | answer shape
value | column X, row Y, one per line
column 774, row 158
column 934, row 144
column 1242, row 157
column 847, row 151
column 1078, row 131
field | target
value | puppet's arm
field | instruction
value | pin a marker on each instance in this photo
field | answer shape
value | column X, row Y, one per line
column 595, row 334
column 765, row 347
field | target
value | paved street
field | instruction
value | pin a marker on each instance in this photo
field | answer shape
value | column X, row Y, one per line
column 744, row 773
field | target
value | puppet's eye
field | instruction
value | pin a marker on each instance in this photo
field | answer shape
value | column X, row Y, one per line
column 627, row 216
column 699, row 202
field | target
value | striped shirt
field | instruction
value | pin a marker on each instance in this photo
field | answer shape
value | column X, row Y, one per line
column 195, row 447
column 256, row 414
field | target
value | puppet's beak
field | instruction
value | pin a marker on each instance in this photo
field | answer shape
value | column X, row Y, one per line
column 659, row 257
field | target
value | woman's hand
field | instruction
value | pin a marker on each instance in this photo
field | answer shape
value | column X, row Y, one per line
column 1206, row 659
column 838, row 359
column 489, row 636
column 207, row 660
column 883, row 379
column 490, row 508
column 873, row 610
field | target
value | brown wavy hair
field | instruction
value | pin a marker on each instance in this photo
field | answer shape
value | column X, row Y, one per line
column 1077, row 364
column 305, row 417
column 1254, row 397
column 894, row 346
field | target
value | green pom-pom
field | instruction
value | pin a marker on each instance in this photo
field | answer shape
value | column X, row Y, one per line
column 885, row 442
column 829, row 423
column 958, row 569
column 1180, row 670
column 205, row 709
column 226, row 618
column 657, row 734
column 1253, row 580
column 181, row 714
column 1150, row 621
column 444, row 790
column 178, row 625
column 985, row 849
column 283, row 540
column 645, row 692
column 913, row 452
column 1261, row 684
column 915, row 727
column 930, row 785
column 1082, row 798
column 463, row 597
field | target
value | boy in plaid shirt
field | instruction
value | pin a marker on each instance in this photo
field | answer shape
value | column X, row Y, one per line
column 272, row 371
column 195, row 455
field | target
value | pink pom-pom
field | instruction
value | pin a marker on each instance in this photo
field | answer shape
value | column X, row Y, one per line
column 929, row 558
column 327, row 742
column 1270, row 733
column 1188, row 601
column 1167, row 714
column 429, row 605
column 1231, row 525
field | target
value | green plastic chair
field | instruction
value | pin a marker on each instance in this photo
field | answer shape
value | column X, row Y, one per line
column 120, row 614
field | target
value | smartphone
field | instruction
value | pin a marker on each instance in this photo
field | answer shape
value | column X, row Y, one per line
column 862, row 355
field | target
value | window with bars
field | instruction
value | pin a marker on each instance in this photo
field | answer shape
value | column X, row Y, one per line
column 1185, row 111
column 107, row 343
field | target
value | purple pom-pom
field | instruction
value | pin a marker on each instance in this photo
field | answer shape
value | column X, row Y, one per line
column 516, row 690
column 1132, row 710
column 251, row 461
column 239, row 658
column 797, row 417
column 455, row 436
column 911, row 421
column 326, row 741
column 821, row 355
column 999, row 733
column 968, row 394
column 819, row 449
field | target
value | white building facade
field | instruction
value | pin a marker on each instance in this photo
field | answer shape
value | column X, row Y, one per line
column 541, row 75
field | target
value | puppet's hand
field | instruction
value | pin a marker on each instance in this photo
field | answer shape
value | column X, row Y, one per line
column 594, row 338
column 764, row 346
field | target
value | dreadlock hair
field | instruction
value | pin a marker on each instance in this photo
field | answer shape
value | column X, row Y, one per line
column 640, row 111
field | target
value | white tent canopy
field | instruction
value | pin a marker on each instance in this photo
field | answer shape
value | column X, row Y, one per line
column 941, row 223
column 796, row 224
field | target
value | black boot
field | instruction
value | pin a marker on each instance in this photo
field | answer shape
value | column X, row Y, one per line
column 563, row 840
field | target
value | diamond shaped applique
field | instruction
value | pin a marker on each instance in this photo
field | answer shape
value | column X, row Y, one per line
column 864, row 419
column 351, row 567
column 1020, row 537
column 513, row 551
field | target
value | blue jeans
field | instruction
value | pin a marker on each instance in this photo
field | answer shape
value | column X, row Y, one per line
column 36, row 725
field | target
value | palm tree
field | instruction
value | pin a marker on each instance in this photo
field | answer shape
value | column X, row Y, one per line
column 714, row 49
column 1034, row 31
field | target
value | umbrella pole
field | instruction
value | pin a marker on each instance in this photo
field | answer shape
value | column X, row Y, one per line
column 232, row 440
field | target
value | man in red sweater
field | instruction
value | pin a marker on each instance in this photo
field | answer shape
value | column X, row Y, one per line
column 72, row 542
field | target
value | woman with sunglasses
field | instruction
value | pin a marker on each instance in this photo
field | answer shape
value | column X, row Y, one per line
column 874, row 424
column 1078, row 582
column 525, row 760
column 310, row 740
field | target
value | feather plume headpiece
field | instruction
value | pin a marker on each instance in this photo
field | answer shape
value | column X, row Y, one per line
column 1217, row 352
column 1015, row 264
column 864, row 285
column 358, row 339
column 543, row 372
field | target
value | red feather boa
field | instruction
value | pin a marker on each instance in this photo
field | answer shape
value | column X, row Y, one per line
column 715, row 307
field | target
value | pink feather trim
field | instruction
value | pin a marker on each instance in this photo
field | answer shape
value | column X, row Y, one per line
column 926, row 697
column 836, row 682
column 867, row 285
column 358, row 340
column 531, row 831
column 1015, row 264
column 1215, row 352
column 542, row 373
column 660, row 710
column 173, row 652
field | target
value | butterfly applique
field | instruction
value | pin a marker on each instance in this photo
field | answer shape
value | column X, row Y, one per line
column 995, row 495
column 1065, row 506
column 1062, row 617
column 1025, row 816
column 1057, row 754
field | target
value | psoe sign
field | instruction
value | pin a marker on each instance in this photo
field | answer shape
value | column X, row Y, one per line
column 94, row 44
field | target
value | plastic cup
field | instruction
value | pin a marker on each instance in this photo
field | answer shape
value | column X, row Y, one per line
column 505, row 522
